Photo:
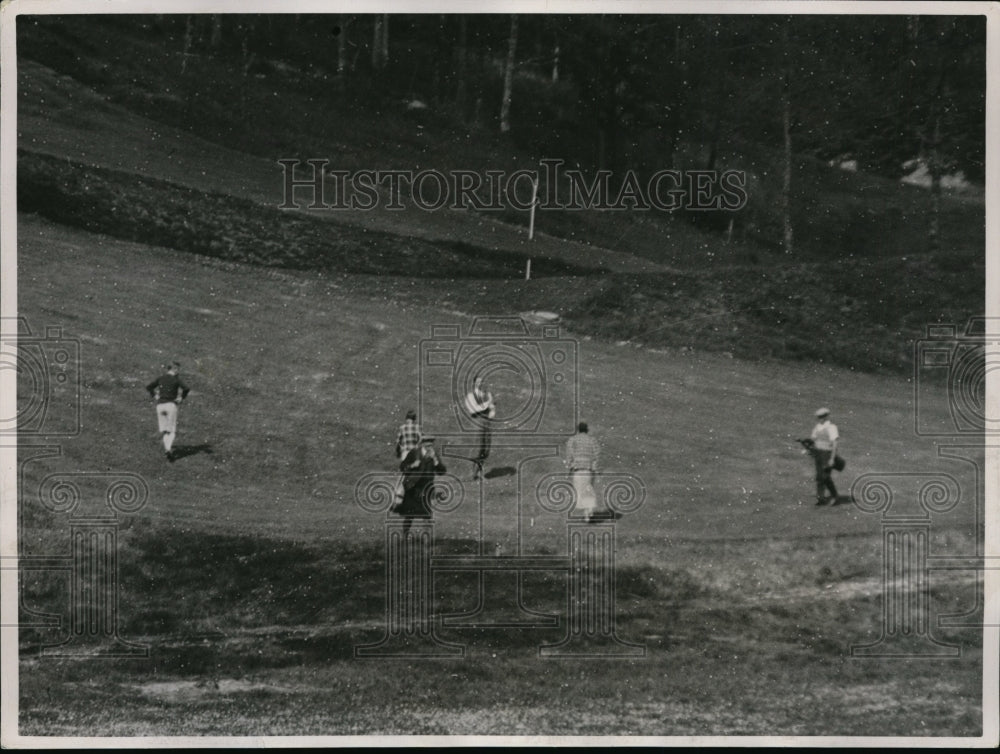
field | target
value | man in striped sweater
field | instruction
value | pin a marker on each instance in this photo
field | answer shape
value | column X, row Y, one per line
column 479, row 405
column 582, row 452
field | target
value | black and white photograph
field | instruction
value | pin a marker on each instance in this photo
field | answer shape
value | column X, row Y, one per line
column 524, row 374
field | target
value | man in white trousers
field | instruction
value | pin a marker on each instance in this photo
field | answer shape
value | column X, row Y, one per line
column 582, row 452
column 168, row 391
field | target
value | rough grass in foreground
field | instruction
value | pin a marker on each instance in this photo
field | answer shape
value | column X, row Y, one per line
column 252, row 636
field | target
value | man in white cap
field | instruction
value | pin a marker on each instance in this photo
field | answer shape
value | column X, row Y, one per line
column 824, row 437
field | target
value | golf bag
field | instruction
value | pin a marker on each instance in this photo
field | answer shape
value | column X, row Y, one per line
column 839, row 464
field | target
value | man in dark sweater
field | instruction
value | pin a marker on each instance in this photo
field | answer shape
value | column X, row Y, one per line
column 168, row 391
column 419, row 468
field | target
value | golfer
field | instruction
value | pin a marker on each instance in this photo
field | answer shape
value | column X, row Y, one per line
column 825, row 437
column 420, row 467
column 481, row 409
column 168, row 391
column 407, row 439
column 582, row 452
column 408, row 436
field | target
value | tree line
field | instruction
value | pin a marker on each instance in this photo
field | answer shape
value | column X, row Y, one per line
column 881, row 89
column 613, row 92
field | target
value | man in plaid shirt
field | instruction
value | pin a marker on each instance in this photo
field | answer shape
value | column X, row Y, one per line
column 582, row 452
column 409, row 435
column 408, row 438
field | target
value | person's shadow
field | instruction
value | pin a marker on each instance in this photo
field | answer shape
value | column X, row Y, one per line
column 183, row 451
column 500, row 471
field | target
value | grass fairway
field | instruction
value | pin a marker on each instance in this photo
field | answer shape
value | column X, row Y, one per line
column 251, row 573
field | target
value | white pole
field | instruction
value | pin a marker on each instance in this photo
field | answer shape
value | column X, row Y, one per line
column 531, row 223
column 534, row 201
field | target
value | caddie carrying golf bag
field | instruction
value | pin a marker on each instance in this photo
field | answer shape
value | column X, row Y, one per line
column 839, row 464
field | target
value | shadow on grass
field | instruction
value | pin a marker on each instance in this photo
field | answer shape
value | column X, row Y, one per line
column 183, row 451
column 180, row 581
column 842, row 500
column 224, row 603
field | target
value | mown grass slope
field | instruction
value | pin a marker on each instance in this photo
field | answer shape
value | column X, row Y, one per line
column 251, row 573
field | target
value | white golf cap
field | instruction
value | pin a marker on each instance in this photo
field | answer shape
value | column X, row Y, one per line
column 821, row 412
